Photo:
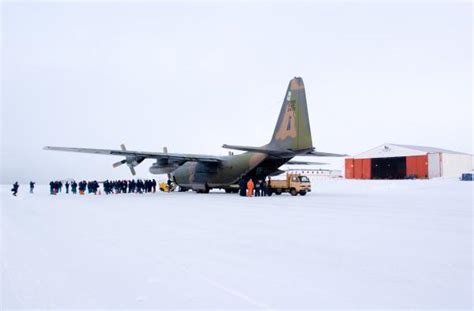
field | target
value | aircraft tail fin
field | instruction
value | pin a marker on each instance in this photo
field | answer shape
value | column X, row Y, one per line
column 292, row 131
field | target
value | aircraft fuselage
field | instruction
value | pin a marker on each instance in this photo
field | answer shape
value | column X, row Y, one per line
column 197, row 175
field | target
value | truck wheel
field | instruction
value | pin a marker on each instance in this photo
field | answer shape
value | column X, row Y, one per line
column 269, row 193
column 293, row 192
column 302, row 192
column 228, row 190
column 278, row 191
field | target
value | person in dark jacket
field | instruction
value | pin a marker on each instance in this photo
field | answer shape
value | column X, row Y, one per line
column 67, row 187
column 15, row 188
column 243, row 187
column 263, row 188
column 32, row 186
column 139, row 186
column 257, row 188
column 74, row 187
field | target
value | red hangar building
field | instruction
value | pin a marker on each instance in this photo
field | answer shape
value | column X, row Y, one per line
column 391, row 161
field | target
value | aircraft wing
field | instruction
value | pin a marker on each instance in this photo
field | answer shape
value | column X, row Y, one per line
column 174, row 157
column 324, row 154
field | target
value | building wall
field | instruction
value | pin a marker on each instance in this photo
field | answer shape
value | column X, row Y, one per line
column 434, row 165
column 453, row 165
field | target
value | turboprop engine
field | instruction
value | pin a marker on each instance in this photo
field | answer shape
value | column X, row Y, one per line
column 163, row 168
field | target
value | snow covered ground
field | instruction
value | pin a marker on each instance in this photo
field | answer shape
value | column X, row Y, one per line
column 349, row 244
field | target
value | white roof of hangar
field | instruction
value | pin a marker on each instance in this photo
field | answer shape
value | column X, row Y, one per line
column 429, row 149
column 395, row 150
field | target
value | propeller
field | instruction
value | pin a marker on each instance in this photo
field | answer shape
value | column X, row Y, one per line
column 131, row 161
column 115, row 165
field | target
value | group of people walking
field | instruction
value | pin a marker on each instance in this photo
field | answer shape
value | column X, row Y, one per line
column 89, row 186
column 130, row 186
column 83, row 187
column 109, row 186
column 249, row 188
column 56, row 186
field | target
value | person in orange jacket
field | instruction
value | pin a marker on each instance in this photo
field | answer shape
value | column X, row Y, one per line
column 250, row 186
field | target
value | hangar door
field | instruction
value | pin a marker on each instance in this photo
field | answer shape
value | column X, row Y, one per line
column 349, row 168
column 389, row 168
column 358, row 168
column 417, row 166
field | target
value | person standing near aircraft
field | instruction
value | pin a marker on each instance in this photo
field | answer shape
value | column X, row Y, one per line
column 74, row 187
column 139, row 186
column 250, row 186
column 15, row 188
column 243, row 186
column 51, row 187
column 263, row 187
column 32, row 186
column 82, row 187
column 257, row 188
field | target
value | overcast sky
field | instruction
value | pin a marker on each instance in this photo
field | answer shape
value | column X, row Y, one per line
column 193, row 76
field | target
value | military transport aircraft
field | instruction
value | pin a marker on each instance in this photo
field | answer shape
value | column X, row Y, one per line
column 292, row 137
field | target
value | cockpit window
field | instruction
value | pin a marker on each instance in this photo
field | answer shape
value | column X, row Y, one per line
column 304, row 179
